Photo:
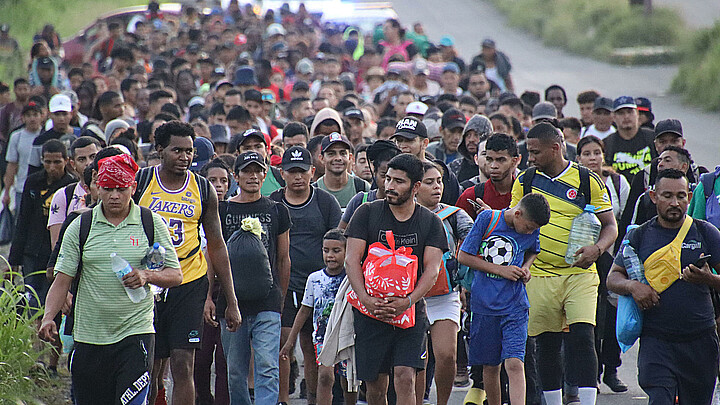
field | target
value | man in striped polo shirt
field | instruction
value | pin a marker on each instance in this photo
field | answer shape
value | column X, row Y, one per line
column 114, row 336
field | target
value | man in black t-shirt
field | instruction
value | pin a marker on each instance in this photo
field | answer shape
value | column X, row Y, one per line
column 678, row 343
column 379, row 346
column 630, row 148
column 313, row 212
column 261, row 318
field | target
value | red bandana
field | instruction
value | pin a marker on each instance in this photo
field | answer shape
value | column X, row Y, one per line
column 117, row 171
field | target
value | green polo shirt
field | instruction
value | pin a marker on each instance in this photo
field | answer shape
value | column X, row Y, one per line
column 103, row 312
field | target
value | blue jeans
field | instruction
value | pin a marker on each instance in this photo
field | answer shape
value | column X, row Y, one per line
column 262, row 331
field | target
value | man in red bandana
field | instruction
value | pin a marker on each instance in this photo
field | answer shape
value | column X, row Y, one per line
column 114, row 336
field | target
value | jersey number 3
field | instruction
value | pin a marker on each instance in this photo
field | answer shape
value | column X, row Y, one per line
column 177, row 233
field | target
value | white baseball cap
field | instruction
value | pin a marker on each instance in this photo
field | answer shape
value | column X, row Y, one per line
column 416, row 107
column 60, row 102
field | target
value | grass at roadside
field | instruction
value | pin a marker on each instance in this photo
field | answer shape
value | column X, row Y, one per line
column 699, row 76
column 595, row 28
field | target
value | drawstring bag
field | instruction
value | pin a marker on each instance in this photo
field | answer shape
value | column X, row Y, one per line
column 249, row 262
column 389, row 272
column 629, row 322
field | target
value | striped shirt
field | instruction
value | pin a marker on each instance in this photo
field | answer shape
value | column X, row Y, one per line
column 103, row 312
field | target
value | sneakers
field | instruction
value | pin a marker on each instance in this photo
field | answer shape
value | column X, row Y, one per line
column 462, row 378
column 615, row 384
column 571, row 400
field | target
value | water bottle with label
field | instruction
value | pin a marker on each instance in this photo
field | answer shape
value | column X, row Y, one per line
column 155, row 261
column 585, row 231
column 121, row 267
column 633, row 265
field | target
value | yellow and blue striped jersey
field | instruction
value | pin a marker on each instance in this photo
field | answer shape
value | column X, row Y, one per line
column 566, row 202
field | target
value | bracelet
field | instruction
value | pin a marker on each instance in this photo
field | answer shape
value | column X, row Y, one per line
column 409, row 299
column 599, row 250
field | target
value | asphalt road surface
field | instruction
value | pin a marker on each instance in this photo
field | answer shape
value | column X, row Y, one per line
column 536, row 66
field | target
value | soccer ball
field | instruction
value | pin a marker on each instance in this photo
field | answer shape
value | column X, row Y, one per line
column 498, row 250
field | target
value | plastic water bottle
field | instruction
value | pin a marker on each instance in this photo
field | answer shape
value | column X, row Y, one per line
column 585, row 231
column 155, row 261
column 121, row 267
column 633, row 265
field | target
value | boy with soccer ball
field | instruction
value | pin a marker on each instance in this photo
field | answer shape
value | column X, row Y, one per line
column 501, row 247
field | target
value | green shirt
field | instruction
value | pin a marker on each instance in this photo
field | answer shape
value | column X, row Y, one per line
column 270, row 185
column 104, row 313
column 344, row 195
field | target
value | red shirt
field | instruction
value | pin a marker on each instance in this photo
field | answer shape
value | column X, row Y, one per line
column 491, row 197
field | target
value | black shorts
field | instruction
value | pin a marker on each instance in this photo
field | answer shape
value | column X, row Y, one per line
column 118, row 373
column 292, row 306
column 179, row 317
column 380, row 346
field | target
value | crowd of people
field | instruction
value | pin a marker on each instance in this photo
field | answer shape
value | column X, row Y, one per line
column 271, row 154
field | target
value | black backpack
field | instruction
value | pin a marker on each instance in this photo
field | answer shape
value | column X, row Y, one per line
column 250, row 266
column 85, row 224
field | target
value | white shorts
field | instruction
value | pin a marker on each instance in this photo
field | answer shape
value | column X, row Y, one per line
column 442, row 307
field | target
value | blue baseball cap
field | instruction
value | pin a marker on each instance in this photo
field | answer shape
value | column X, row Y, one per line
column 624, row 102
column 447, row 40
column 204, row 151
column 451, row 67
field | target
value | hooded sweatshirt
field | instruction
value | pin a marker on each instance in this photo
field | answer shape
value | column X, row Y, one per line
column 466, row 168
column 326, row 113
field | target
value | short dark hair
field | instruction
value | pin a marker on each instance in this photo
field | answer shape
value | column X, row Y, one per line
column 556, row 87
column 76, row 72
column 384, row 123
column 545, row 132
column 82, row 142
column 315, row 142
column 239, row 114
column 107, row 98
column 570, row 122
column 295, row 103
column 164, row 117
column 410, row 164
column 467, row 99
column 102, row 154
column 682, row 153
column 215, row 163
column 586, row 140
column 19, row 81
column 499, row 142
column 587, row 97
column 158, row 94
column 294, row 128
column 669, row 174
column 446, row 97
column 127, row 83
column 54, row 146
column 428, row 165
column 126, row 142
column 536, row 207
column 335, row 234
column 234, row 92
column 363, row 147
column 530, row 98
column 172, row 128
column 501, row 117
column 172, row 109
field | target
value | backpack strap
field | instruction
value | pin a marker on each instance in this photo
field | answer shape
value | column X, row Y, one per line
column 69, row 193
column 493, row 223
column 708, row 182
column 143, row 179
column 148, row 224
column 204, row 186
column 479, row 190
column 616, row 183
column 447, row 212
column 585, row 183
column 528, row 177
column 359, row 184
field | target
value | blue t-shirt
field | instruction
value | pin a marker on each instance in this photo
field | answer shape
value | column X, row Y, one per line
column 685, row 309
column 491, row 294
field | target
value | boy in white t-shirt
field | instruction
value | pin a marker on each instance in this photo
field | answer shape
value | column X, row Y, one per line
column 318, row 301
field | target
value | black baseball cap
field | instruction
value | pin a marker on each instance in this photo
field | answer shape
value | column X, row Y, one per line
column 603, row 103
column 410, row 128
column 672, row 126
column 245, row 159
column 453, row 118
column 251, row 132
column 334, row 138
column 354, row 113
column 296, row 157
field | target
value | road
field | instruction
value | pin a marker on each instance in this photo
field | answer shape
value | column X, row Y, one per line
column 536, row 66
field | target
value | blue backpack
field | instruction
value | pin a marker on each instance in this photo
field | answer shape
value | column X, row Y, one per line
column 465, row 275
column 712, row 203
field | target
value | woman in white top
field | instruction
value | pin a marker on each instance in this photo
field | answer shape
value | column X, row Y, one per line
column 591, row 154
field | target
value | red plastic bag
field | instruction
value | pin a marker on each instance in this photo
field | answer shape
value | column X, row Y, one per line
column 389, row 273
